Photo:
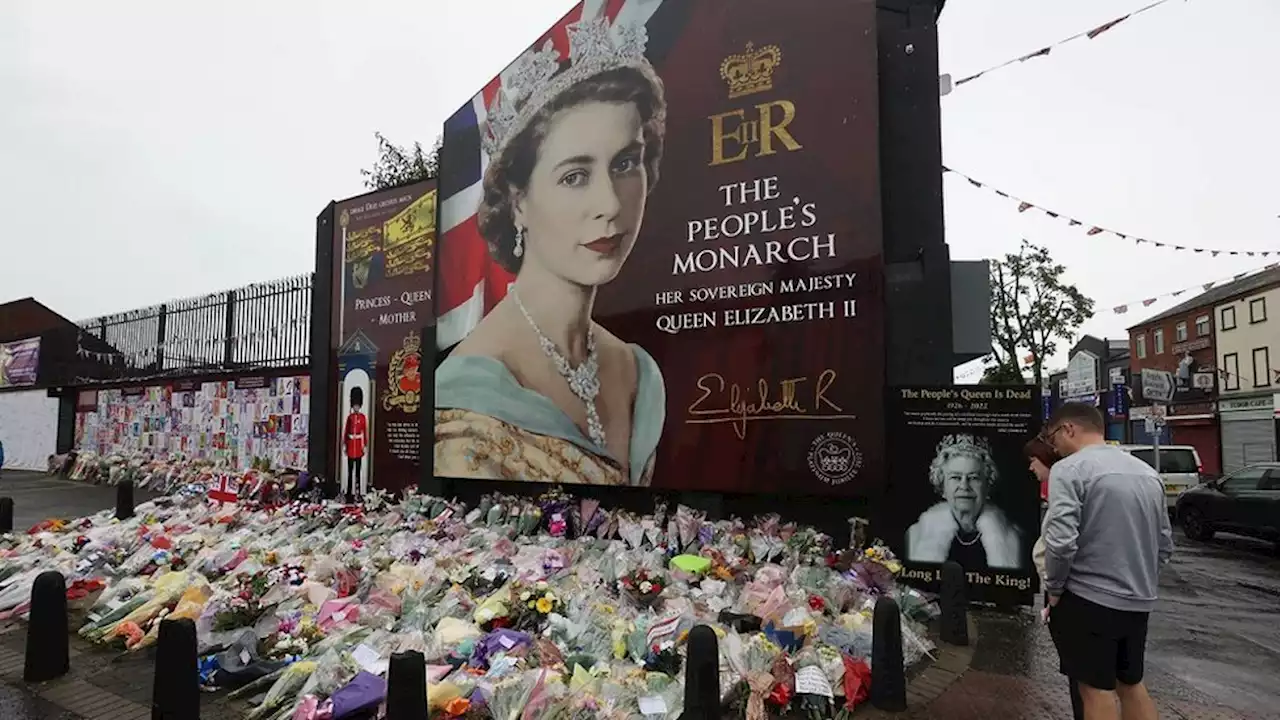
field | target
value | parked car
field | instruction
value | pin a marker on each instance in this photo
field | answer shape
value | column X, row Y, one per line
column 1180, row 467
column 1246, row 502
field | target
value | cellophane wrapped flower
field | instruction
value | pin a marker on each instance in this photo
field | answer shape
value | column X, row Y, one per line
column 243, row 607
column 508, row 698
column 753, row 659
column 554, row 506
column 532, row 605
column 643, row 586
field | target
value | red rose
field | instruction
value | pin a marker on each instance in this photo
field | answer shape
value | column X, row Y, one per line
column 816, row 603
column 657, row 588
column 781, row 695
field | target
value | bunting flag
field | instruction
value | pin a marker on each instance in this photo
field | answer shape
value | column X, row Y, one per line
column 1203, row 287
column 1044, row 51
column 1093, row 230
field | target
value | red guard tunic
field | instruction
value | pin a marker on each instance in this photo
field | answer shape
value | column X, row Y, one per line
column 356, row 439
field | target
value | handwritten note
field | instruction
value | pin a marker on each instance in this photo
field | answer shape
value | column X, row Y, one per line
column 812, row 681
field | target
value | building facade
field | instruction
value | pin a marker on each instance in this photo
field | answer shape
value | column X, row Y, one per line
column 1179, row 341
column 1247, row 340
column 1098, row 374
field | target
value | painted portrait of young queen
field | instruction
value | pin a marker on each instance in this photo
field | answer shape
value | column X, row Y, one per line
column 539, row 390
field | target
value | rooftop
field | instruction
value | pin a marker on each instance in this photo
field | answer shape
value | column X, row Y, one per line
column 1218, row 293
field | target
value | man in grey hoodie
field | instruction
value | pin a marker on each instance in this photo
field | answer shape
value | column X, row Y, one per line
column 1106, row 536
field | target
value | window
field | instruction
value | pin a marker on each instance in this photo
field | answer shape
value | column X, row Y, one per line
column 1171, row 461
column 1261, row 367
column 1180, row 332
column 1246, row 480
column 1258, row 310
column 1159, row 341
column 1228, row 319
column 1231, row 371
column 1142, row 346
column 1271, row 482
column 1202, row 326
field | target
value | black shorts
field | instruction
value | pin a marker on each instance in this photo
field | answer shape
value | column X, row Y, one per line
column 1098, row 646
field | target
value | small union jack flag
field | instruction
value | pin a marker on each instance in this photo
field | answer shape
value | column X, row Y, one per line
column 224, row 488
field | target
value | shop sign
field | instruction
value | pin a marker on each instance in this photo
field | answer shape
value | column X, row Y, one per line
column 1244, row 404
column 1082, row 375
column 1190, row 346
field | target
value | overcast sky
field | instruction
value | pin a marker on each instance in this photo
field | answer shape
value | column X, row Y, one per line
column 153, row 150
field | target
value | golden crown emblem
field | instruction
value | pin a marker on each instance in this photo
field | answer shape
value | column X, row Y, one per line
column 344, row 219
column 412, row 342
column 751, row 71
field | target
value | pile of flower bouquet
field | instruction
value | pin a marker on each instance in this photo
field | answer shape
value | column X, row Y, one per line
column 550, row 607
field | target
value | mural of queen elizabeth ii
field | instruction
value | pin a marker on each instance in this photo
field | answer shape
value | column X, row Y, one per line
column 538, row 390
column 965, row 525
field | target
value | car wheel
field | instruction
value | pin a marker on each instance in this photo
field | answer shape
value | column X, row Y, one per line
column 1195, row 526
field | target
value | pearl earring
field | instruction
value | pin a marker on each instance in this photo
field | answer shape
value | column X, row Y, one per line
column 519, row 249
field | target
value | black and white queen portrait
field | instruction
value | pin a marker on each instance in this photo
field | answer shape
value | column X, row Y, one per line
column 965, row 525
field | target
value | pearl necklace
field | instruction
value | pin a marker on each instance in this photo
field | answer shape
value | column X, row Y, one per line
column 583, row 380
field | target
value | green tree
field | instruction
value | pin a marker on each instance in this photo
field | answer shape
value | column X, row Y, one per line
column 1032, row 308
column 1002, row 375
column 398, row 166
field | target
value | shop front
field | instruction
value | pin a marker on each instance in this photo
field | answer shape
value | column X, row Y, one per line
column 1248, row 430
column 1194, row 424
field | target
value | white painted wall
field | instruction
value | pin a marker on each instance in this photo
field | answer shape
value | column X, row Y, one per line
column 1243, row 339
column 28, row 429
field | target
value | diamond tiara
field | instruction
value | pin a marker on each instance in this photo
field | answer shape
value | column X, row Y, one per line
column 535, row 78
column 964, row 442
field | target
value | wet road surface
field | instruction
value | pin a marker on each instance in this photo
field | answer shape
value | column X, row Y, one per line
column 1217, row 627
column 38, row 497
column 1213, row 647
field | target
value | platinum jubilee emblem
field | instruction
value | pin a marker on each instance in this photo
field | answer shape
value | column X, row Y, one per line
column 834, row 458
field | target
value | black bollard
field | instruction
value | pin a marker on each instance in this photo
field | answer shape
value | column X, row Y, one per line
column 48, row 644
column 124, row 500
column 888, row 676
column 6, row 514
column 176, row 693
column 702, row 676
column 955, row 609
column 407, row 687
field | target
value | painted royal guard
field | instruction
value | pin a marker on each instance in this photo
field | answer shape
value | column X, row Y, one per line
column 356, row 442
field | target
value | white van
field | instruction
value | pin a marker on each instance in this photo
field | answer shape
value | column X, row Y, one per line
column 1180, row 466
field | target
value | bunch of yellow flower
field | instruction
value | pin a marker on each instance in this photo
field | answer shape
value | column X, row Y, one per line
column 536, row 602
column 880, row 554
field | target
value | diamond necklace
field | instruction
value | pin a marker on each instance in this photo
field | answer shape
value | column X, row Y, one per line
column 583, row 380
